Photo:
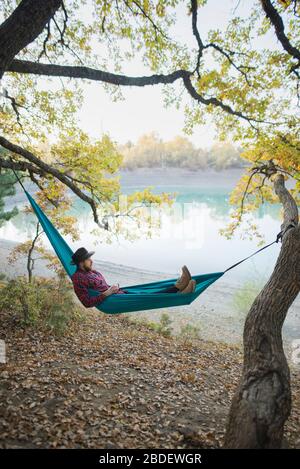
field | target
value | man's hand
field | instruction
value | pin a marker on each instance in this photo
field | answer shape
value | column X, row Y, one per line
column 111, row 290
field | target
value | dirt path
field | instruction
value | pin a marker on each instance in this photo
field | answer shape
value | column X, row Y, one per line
column 110, row 384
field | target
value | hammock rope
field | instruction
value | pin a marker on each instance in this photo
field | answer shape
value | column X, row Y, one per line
column 139, row 297
column 278, row 238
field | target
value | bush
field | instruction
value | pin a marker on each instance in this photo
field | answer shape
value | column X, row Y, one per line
column 43, row 303
column 164, row 325
column 244, row 297
column 2, row 280
column 188, row 332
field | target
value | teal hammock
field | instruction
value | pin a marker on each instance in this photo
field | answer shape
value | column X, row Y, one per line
column 141, row 297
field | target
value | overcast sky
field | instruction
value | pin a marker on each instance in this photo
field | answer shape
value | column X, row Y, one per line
column 142, row 111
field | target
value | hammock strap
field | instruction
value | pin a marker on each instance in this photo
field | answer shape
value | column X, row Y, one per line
column 278, row 238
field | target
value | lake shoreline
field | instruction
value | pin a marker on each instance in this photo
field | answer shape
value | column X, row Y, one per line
column 156, row 177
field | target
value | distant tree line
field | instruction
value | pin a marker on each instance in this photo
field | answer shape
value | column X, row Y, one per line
column 151, row 151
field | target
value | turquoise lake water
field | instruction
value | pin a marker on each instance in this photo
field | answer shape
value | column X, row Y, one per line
column 188, row 233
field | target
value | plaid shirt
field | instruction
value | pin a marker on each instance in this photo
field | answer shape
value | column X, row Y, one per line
column 83, row 280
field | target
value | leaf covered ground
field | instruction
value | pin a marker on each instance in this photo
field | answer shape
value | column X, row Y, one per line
column 109, row 383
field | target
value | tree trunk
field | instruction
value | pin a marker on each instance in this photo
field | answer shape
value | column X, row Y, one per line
column 262, row 401
column 21, row 28
column 30, row 259
column 29, row 267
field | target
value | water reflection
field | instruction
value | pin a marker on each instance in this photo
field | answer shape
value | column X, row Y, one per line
column 189, row 233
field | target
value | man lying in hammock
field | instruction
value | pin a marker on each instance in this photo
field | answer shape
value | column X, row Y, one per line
column 85, row 277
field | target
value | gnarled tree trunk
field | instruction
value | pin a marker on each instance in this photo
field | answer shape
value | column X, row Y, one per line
column 262, row 401
column 23, row 26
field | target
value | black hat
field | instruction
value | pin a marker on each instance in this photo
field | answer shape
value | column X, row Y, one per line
column 81, row 255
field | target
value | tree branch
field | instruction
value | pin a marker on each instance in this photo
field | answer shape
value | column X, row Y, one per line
column 217, row 103
column 22, row 166
column 68, row 71
column 44, row 169
column 194, row 10
column 228, row 54
column 278, row 24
